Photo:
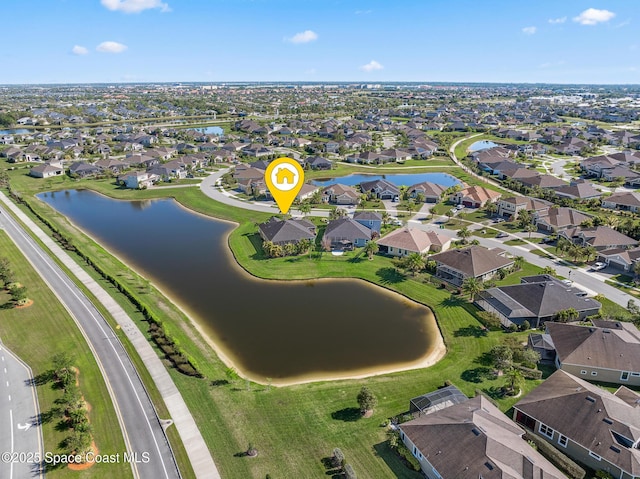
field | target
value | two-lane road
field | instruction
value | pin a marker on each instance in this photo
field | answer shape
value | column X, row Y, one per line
column 136, row 416
column 21, row 439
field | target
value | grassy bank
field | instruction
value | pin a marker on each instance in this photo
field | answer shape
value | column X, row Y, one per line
column 294, row 427
column 47, row 328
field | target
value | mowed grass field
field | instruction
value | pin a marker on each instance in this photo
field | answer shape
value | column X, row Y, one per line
column 295, row 427
column 36, row 334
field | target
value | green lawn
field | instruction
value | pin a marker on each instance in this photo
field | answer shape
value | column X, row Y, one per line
column 278, row 421
column 514, row 242
column 47, row 328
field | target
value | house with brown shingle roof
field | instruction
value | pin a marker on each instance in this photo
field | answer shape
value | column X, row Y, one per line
column 608, row 352
column 475, row 196
column 600, row 237
column 579, row 189
column 456, row 265
column 587, row 423
column 405, row 241
column 472, row 440
column 340, row 195
column 558, row 218
column 282, row 232
column 620, row 258
column 509, row 207
column 625, row 201
column 432, row 192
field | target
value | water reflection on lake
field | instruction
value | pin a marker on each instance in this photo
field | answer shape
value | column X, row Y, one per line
column 270, row 329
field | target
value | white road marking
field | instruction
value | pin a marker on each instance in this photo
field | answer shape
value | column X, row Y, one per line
column 7, row 383
column 11, row 422
column 9, row 397
column 5, row 370
column 3, row 358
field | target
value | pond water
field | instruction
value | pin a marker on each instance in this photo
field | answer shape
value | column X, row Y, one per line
column 482, row 145
column 285, row 330
column 16, row 131
column 215, row 130
column 443, row 179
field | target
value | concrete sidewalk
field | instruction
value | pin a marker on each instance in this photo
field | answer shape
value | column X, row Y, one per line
column 196, row 448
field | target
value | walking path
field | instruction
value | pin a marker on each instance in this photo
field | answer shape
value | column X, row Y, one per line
column 196, row 448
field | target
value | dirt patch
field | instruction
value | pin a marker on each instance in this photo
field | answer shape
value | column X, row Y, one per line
column 28, row 303
column 85, row 465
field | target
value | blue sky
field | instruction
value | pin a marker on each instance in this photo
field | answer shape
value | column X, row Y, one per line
column 79, row 41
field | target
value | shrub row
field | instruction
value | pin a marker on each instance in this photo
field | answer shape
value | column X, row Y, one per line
column 169, row 346
column 528, row 373
column 558, row 459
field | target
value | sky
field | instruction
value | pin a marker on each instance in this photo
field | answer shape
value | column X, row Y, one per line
column 503, row 41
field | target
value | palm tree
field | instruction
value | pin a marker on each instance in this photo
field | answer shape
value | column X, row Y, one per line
column 304, row 246
column 371, row 248
column 404, row 192
column 420, row 197
column 518, row 262
column 363, row 199
column 530, row 228
column 472, row 286
column 549, row 270
column 290, row 249
column 491, row 209
column 414, row 263
column 385, row 218
column 305, row 208
column 463, row 233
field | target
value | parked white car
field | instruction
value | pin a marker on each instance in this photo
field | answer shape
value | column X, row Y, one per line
column 598, row 266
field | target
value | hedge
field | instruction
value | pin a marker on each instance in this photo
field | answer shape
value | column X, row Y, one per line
column 558, row 459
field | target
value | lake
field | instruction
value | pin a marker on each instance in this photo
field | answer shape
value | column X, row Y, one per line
column 16, row 131
column 398, row 180
column 285, row 330
column 482, row 145
column 215, row 130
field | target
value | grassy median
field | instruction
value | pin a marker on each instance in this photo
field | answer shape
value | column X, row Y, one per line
column 45, row 327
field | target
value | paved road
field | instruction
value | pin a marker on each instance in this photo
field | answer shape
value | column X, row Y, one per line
column 21, row 434
column 142, row 430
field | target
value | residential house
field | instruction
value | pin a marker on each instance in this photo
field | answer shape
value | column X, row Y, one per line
column 257, row 150
column 138, row 179
column 558, row 218
column 597, row 165
column 609, row 351
column 455, row 266
column 381, row 189
column 283, row 232
column 82, row 169
column 600, row 237
column 340, row 195
column 346, row 233
column 45, row 171
column 475, row 196
column 536, row 299
column 620, row 258
column 509, row 207
column 542, row 344
column 625, row 201
column 585, row 422
column 116, row 166
column 431, row 192
column 405, row 241
column 472, row 439
column 306, row 192
column 578, row 190
column 370, row 219
column 543, row 181
column 317, row 163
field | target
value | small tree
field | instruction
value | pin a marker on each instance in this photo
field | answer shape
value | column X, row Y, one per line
column 472, row 286
column 349, row 473
column 366, row 400
column 515, row 381
column 525, row 325
column 414, row 263
column 371, row 248
column 18, row 294
column 549, row 270
column 463, row 233
column 502, row 357
column 567, row 315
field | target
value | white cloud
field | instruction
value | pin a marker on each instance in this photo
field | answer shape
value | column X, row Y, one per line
column 371, row 66
column 78, row 50
column 135, row 6
column 303, row 37
column 555, row 21
column 529, row 30
column 111, row 47
column 593, row 16
column 623, row 24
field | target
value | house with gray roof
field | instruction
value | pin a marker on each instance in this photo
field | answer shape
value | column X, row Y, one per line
column 600, row 237
column 345, row 234
column 620, row 258
column 472, row 439
column 579, row 190
column 607, row 352
column 432, row 192
column 283, row 232
column 370, row 219
column 82, row 169
column 340, row 195
column 536, row 299
column 45, row 171
column 381, row 189
column 455, row 266
column 625, row 201
column 589, row 424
